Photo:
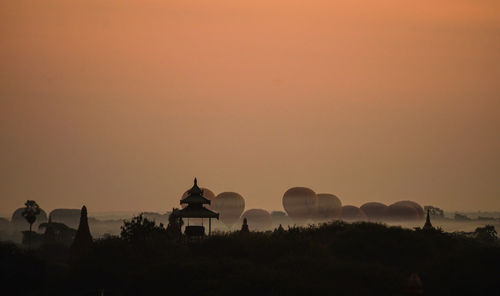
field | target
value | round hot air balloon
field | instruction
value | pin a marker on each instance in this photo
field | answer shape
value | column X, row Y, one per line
column 229, row 205
column 353, row 213
column 18, row 219
column 300, row 203
column 375, row 211
column 258, row 219
column 207, row 193
column 70, row 217
column 412, row 204
column 401, row 212
column 329, row 207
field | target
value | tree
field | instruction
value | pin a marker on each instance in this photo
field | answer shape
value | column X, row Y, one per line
column 486, row 234
column 140, row 231
column 434, row 211
column 174, row 225
column 30, row 212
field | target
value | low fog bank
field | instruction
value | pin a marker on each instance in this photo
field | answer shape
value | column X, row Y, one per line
column 105, row 224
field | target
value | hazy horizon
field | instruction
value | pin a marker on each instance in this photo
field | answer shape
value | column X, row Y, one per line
column 118, row 105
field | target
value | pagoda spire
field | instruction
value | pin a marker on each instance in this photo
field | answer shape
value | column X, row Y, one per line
column 195, row 195
column 428, row 224
column 83, row 238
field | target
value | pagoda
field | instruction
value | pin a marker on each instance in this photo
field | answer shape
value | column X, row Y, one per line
column 195, row 209
column 83, row 238
column 428, row 225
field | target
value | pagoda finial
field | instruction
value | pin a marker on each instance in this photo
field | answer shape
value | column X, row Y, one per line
column 195, row 181
column 428, row 224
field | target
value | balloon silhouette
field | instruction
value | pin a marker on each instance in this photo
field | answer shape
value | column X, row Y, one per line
column 329, row 207
column 375, row 211
column 229, row 205
column 412, row 204
column 352, row 213
column 70, row 217
column 300, row 203
column 17, row 217
column 401, row 212
column 258, row 219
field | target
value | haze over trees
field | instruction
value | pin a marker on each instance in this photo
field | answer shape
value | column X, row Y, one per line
column 333, row 258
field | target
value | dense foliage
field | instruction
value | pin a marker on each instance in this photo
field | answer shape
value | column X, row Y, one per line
column 332, row 259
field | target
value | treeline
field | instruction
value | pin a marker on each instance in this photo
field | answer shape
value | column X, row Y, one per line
column 331, row 259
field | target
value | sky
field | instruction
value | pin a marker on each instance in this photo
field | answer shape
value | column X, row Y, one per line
column 119, row 104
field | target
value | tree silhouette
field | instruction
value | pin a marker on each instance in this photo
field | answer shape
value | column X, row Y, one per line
column 434, row 211
column 487, row 233
column 174, row 225
column 142, row 233
column 30, row 212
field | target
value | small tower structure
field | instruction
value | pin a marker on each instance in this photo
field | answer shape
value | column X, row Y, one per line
column 428, row 225
column 195, row 209
column 83, row 238
column 244, row 226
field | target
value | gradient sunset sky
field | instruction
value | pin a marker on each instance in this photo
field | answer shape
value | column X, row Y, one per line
column 119, row 104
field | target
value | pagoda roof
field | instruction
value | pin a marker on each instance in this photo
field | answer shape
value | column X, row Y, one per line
column 195, row 195
column 196, row 211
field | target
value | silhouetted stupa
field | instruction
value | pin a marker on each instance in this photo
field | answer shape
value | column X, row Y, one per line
column 195, row 209
column 428, row 225
column 244, row 226
column 83, row 238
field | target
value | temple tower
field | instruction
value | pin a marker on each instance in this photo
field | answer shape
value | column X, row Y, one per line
column 428, row 225
column 83, row 238
column 195, row 209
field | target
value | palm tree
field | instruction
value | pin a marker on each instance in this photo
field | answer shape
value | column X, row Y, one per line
column 29, row 213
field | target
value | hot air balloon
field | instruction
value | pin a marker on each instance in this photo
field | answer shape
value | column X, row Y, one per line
column 300, row 203
column 329, row 207
column 207, row 193
column 401, row 212
column 375, row 211
column 258, row 219
column 353, row 213
column 412, row 204
column 229, row 205
column 280, row 217
column 70, row 217
column 18, row 219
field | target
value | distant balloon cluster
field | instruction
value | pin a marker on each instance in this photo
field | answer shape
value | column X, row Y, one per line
column 303, row 205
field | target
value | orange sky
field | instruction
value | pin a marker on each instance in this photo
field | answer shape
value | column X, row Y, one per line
column 118, row 104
